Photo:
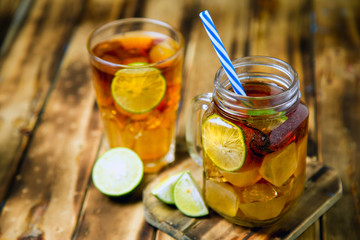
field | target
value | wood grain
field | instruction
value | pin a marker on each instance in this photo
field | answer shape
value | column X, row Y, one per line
column 27, row 74
column 337, row 64
column 55, row 171
column 50, row 128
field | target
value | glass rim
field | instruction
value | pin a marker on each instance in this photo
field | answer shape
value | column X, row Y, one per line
column 263, row 61
column 134, row 20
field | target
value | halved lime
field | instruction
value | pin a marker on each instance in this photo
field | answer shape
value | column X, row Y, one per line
column 117, row 172
column 164, row 191
column 188, row 198
column 138, row 90
column 224, row 143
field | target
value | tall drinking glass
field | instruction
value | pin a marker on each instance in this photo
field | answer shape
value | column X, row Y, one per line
column 137, row 73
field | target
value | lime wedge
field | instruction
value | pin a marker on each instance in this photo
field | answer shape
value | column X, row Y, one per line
column 164, row 191
column 187, row 197
column 224, row 143
column 117, row 172
column 138, row 90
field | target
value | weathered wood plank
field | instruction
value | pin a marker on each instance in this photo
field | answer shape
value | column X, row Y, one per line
column 7, row 11
column 27, row 74
column 337, row 64
column 46, row 198
column 323, row 189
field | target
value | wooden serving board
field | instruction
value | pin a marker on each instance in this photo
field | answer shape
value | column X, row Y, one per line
column 322, row 190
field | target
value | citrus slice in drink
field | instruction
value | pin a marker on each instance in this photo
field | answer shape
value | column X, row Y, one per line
column 188, row 198
column 138, row 90
column 221, row 197
column 164, row 191
column 266, row 124
column 117, row 172
column 224, row 143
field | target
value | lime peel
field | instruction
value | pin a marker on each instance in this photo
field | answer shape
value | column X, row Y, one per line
column 164, row 190
column 117, row 172
column 188, row 198
column 138, row 90
column 224, row 143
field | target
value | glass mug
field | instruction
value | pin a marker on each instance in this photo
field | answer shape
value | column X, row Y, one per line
column 137, row 74
column 252, row 148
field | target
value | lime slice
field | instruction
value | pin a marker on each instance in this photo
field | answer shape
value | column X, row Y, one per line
column 187, row 197
column 224, row 143
column 138, row 90
column 164, row 191
column 267, row 124
column 138, row 64
column 117, row 172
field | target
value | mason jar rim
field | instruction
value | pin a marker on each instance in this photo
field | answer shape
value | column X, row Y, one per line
column 277, row 72
column 134, row 20
column 259, row 60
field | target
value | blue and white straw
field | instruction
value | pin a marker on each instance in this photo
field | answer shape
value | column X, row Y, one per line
column 221, row 52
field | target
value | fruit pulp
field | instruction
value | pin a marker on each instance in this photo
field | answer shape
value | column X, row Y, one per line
column 151, row 134
column 273, row 175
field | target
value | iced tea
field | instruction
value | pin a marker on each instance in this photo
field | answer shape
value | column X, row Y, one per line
column 146, row 60
column 273, row 174
column 253, row 146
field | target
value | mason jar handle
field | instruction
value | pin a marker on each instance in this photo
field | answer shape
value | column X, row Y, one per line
column 193, row 127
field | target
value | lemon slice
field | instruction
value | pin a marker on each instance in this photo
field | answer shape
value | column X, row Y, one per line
column 117, row 172
column 188, row 198
column 138, row 90
column 164, row 191
column 224, row 143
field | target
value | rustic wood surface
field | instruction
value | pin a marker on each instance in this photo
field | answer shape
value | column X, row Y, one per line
column 51, row 134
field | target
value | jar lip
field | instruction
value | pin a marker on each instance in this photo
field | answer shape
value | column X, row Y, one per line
column 134, row 20
column 258, row 60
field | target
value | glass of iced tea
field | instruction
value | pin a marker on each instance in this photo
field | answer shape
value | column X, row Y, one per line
column 137, row 73
column 253, row 147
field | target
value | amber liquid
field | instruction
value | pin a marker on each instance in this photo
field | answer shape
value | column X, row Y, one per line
column 150, row 134
column 273, row 176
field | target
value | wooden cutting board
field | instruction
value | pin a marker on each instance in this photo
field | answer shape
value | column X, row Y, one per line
column 323, row 189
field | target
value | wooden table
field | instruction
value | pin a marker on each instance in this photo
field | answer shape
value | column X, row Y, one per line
column 50, row 130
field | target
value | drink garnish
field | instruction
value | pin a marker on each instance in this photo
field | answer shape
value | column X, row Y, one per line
column 188, row 198
column 117, row 172
column 224, row 143
column 138, row 90
column 164, row 191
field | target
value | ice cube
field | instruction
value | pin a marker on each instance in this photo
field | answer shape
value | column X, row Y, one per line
column 163, row 50
column 278, row 167
column 245, row 176
column 221, row 197
column 259, row 192
column 264, row 210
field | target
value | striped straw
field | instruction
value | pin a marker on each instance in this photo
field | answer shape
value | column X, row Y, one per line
column 221, row 52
